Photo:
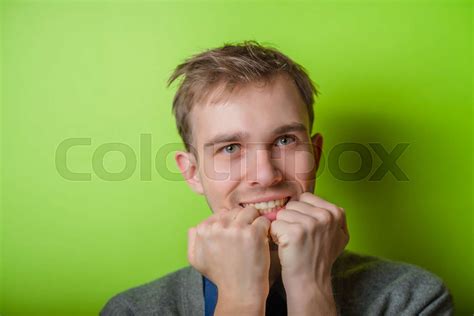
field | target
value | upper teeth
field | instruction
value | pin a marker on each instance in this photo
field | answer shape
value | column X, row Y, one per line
column 266, row 205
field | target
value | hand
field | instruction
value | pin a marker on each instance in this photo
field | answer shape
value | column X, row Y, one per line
column 231, row 248
column 311, row 233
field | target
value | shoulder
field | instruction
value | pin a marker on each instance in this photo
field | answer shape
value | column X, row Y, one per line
column 372, row 285
column 172, row 294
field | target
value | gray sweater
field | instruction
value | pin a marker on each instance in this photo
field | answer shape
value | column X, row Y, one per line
column 362, row 285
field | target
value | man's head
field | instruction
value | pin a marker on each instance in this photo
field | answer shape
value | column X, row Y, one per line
column 245, row 114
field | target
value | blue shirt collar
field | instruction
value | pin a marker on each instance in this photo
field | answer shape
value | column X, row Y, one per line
column 275, row 305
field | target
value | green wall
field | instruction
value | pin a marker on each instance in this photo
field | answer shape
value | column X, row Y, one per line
column 390, row 72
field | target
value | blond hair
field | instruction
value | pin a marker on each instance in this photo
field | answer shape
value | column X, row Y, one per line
column 232, row 65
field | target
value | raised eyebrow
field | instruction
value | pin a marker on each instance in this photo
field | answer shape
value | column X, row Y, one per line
column 226, row 138
column 293, row 127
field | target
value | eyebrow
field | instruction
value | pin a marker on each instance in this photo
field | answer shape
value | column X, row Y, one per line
column 226, row 138
column 239, row 136
column 293, row 127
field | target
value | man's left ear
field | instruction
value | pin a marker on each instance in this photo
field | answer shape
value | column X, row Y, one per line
column 317, row 141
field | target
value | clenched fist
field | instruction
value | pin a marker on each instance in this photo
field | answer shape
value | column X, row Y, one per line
column 311, row 233
column 231, row 248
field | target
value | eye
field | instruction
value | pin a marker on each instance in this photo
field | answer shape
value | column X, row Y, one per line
column 285, row 140
column 230, row 149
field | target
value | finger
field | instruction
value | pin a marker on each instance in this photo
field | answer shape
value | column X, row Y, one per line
column 262, row 223
column 278, row 232
column 247, row 215
column 337, row 212
column 302, row 207
column 322, row 215
column 316, row 201
column 293, row 216
column 204, row 227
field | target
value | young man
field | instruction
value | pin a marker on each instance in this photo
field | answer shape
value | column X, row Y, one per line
column 271, row 246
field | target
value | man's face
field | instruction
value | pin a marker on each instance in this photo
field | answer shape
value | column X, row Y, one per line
column 253, row 146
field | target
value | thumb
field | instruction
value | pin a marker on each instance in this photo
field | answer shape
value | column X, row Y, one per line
column 262, row 223
column 278, row 232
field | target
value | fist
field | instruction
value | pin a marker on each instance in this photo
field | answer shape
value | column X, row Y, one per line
column 311, row 234
column 231, row 248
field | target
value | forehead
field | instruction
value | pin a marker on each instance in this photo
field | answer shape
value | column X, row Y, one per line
column 255, row 109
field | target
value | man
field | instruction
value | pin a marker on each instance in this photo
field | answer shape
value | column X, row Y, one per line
column 271, row 246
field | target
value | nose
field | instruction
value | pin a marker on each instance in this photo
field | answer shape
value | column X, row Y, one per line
column 262, row 170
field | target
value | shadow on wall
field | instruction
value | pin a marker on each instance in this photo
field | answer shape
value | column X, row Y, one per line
column 390, row 214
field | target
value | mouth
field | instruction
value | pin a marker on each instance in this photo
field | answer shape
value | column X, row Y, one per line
column 268, row 208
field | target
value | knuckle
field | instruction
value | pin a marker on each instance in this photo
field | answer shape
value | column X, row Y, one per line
column 201, row 228
column 339, row 216
column 325, row 218
column 334, row 207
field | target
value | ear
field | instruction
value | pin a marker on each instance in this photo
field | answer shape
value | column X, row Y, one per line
column 317, row 141
column 188, row 166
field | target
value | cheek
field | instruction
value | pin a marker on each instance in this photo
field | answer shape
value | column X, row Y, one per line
column 299, row 165
column 224, row 169
column 216, row 170
column 220, row 177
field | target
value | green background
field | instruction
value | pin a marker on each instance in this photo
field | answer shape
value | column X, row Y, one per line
column 389, row 72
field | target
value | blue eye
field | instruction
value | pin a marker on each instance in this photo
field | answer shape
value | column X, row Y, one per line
column 230, row 149
column 285, row 140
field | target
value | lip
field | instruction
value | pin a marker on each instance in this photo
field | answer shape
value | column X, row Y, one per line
column 266, row 199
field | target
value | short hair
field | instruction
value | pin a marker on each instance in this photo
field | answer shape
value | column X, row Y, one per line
column 232, row 65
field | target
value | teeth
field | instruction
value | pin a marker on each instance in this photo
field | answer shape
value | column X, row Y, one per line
column 267, row 207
